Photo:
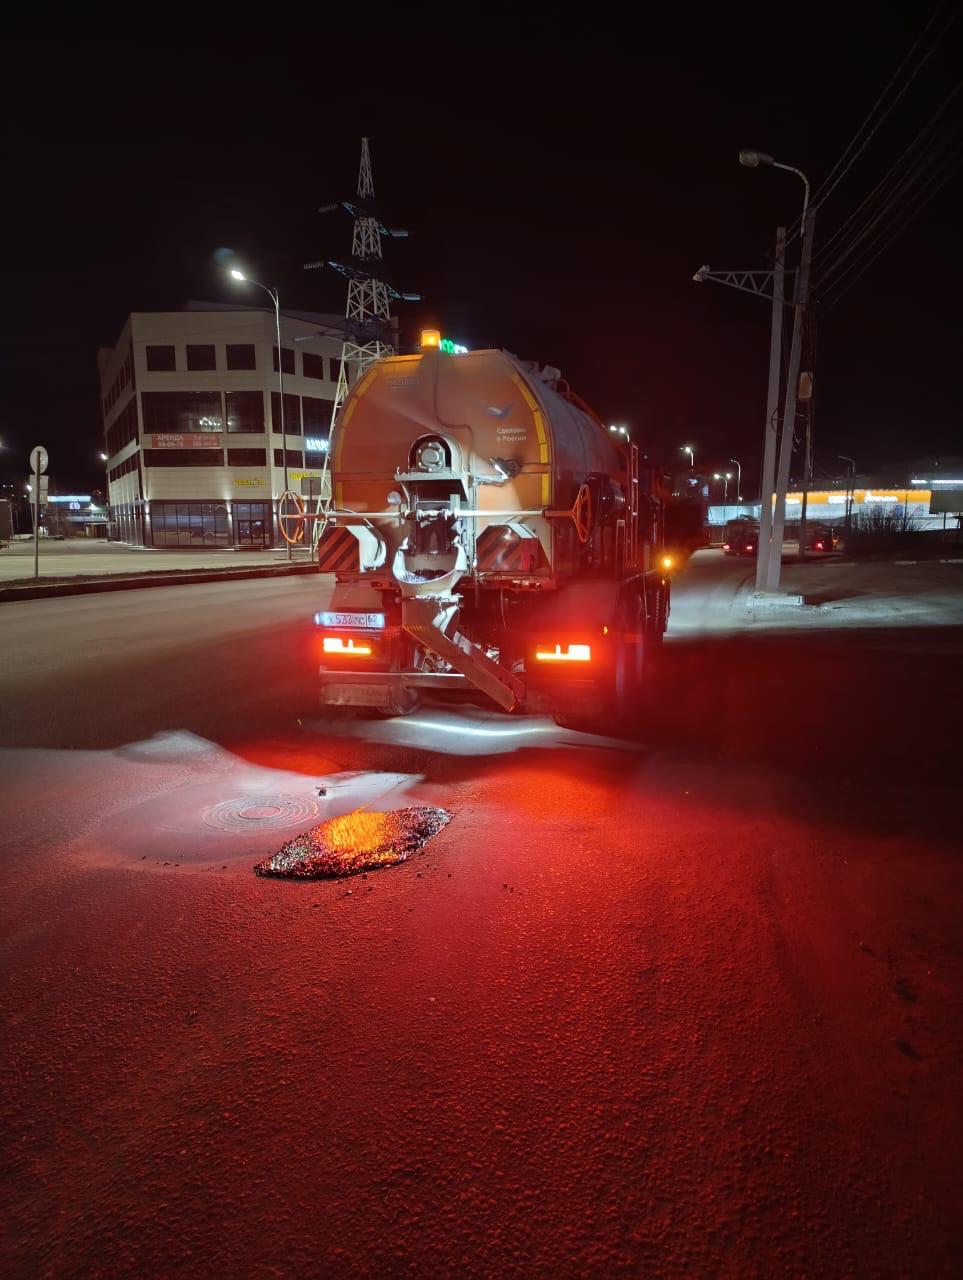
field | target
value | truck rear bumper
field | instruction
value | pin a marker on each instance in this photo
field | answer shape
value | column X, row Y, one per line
column 380, row 689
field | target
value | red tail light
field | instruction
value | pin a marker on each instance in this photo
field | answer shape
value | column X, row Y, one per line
column 571, row 653
column 341, row 647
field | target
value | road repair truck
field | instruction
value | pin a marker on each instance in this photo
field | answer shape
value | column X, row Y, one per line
column 489, row 535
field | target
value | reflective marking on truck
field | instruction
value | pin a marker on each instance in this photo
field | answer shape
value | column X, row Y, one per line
column 540, row 432
column 338, row 551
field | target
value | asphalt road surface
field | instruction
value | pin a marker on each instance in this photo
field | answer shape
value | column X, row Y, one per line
column 685, row 1003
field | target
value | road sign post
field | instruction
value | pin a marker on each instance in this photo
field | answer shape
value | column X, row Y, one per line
column 38, row 465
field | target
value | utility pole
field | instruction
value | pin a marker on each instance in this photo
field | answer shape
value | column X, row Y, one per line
column 806, row 396
column 789, row 409
column 367, row 333
column 368, row 310
column 850, row 478
column 772, row 411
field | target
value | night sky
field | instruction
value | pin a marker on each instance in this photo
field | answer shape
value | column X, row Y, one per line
column 561, row 185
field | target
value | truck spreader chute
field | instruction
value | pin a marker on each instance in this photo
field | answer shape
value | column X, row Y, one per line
column 488, row 536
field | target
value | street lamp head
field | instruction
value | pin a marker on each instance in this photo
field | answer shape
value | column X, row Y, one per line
column 237, row 275
column 103, row 457
column 728, row 475
column 716, row 476
column 753, row 159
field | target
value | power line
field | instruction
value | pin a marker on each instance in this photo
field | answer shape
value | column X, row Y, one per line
column 833, row 179
column 914, row 211
column 845, row 161
column 901, row 195
column 913, row 150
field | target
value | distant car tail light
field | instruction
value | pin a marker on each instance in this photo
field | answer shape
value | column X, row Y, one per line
column 819, row 546
column 571, row 653
column 750, row 546
column 726, row 547
column 346, row 647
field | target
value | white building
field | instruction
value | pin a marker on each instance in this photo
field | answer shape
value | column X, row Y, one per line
column 192, row 421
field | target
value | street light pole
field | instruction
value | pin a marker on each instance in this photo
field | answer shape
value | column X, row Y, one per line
column 772, row 412
column 789, row 409
column 273, row 295
column 738, row 467
column 725, row 478
column 105, row 460
column 752, row 159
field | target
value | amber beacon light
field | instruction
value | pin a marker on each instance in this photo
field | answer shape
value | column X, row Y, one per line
column 430, row 339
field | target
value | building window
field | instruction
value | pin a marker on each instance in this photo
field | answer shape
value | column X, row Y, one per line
column 292, row 413
column 161, row 359
column 183, row 457
column 124, row 468
column 201, row 357
column 247, row 457
column 313, row 366
column 190, row 524
column 335, row 363
column 245, row 410
column 240, row 355
column 295, row 458
column 287, row 359
column 181, row 411
column 316, row 415
column 252, row 524
column 313, row 459
column 123, row 429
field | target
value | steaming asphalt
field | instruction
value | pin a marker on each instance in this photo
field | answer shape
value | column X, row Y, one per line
column 683, row 1004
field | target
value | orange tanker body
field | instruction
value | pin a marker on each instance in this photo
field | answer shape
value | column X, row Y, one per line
column 489, row 536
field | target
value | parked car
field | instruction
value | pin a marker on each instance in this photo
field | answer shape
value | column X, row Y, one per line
column 821, row 539
column 741, row 537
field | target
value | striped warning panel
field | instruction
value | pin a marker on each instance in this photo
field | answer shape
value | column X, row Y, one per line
column 338, row 551
column 501, row 550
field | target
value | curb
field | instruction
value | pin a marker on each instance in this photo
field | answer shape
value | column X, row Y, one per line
column 186, row 578
column 773, row 600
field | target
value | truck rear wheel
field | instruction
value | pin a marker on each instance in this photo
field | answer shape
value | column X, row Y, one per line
column 618, row 701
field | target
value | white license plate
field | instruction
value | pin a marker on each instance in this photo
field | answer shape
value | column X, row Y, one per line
column 359, row 621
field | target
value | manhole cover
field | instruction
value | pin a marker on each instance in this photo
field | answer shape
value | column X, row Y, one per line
column 260, row 813
column 359, row 841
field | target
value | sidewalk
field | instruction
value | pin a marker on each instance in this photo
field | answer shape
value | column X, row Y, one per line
column 81, row 568
column 87, row 559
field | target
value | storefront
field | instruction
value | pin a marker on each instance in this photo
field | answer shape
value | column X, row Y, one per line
column 209, row 524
